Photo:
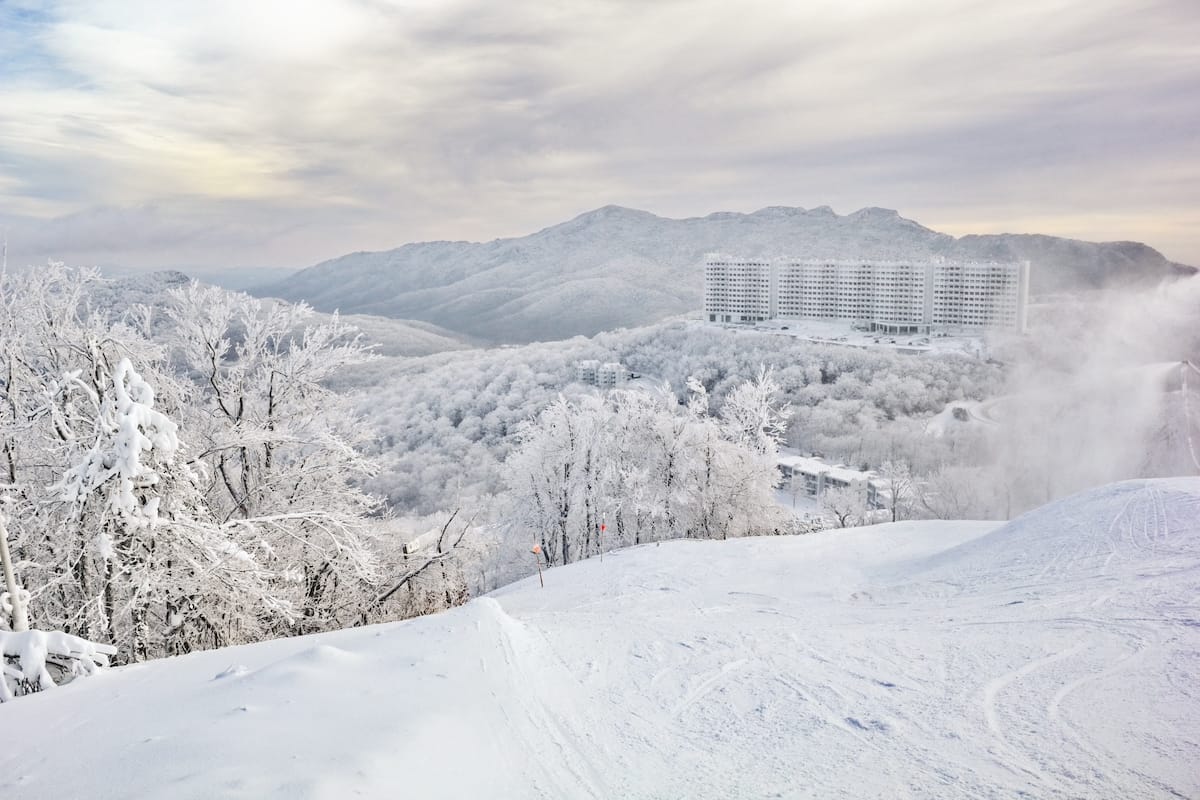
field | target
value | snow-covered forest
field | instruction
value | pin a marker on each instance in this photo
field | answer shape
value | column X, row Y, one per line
column 445, row 420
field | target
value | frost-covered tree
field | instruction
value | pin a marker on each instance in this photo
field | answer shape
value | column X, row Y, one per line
column 182, row 481
column 847, row 506
column 640, row 465
column 59, row 355
column 160, row 575
column 284, row 451
column 754, row 416
column 954, row 492
column 898, row 488
column 741, row 475
column 542, row 473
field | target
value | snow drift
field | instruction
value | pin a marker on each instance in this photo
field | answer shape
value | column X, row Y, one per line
column 1115, row 534
column 1054, row 656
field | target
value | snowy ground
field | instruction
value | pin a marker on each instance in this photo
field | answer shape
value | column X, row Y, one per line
column 843, row 333
column 972, row 414
column 1056, row 656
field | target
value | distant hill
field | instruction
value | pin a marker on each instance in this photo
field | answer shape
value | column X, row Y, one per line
column 237, row 279
column 616, row 267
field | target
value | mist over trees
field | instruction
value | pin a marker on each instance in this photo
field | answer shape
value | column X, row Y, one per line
column 1098, row 392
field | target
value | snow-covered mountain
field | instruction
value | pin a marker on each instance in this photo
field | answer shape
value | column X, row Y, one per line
column 1054, row 656
column 616, row 267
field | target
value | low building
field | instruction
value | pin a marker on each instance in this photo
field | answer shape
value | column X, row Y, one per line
column 813, row 477
column 610, row 375
column 585, row 371
column 606, row 375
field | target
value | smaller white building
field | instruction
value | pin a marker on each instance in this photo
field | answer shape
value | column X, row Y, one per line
column 812, row 477
column 606, row 375
column 610, row 375
column 585, row 371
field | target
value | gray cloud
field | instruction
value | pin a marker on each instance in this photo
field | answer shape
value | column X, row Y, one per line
column 262, row 135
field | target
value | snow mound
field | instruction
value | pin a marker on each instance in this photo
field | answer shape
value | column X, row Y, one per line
column 315, row 662
column 28, row 659
column 1138, row 528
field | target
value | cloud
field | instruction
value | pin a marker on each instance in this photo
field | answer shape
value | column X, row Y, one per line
column 367, row 123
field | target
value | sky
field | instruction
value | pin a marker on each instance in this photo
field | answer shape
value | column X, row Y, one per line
column 277, row 133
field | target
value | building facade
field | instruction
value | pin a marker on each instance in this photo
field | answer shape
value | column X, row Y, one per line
column 585, row 371
column 737, row 290
column 610, row 375
column 813, row 477
column 894, row 297
column 606, row 376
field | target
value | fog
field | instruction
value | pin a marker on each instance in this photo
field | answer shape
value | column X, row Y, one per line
column 1104, row 389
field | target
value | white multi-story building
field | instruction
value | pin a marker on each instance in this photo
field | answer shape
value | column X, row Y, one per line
column 585, row 371
column 885, row 296
column 973, row 294
column 737, row 290
column 606, row 376
column 610, row 375
column 813, row 477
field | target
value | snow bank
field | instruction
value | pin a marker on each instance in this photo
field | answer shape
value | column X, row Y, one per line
column 838, row 664
column 1113, row 533
column 27, row 659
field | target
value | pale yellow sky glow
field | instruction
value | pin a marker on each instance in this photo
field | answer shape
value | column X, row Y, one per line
column 282, row 133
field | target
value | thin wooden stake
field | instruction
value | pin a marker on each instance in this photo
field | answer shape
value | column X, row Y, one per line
column 537, row 562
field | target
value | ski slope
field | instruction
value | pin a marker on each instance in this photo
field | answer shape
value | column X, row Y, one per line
column 1057, row 655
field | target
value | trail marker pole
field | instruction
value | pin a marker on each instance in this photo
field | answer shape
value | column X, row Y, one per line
column 600, row 539
column 537, row 562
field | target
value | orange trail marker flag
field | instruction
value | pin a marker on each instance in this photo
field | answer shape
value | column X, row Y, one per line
column 537, row 551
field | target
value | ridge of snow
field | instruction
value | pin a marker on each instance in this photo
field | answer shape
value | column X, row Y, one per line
column 1154, row 528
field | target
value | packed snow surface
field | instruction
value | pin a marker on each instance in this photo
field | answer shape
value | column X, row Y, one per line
column 1055, row 656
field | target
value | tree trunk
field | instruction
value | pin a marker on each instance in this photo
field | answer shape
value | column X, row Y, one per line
column 20, row 615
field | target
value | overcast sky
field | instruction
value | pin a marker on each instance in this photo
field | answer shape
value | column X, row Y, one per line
column 281, row 132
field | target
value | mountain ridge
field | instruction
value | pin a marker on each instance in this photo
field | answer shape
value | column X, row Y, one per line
column 617, row 267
